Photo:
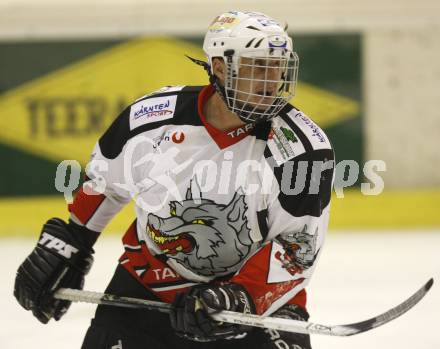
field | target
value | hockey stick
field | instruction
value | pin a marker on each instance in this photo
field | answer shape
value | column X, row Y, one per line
column 254, row 320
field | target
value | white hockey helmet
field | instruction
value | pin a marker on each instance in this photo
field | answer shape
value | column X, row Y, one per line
column 261, row 66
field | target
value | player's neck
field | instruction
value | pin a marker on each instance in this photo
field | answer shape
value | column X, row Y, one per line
column 218, row 115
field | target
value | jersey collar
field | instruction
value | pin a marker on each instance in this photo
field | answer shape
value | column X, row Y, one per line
column 225, row 138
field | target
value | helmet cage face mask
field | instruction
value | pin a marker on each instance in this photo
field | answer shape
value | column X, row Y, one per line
column 261, row 67
column 258, row 86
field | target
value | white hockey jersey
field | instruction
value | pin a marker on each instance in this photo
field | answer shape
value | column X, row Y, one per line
column 248, row 205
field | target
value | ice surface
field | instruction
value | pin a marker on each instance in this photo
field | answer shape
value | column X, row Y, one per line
column 359, row 275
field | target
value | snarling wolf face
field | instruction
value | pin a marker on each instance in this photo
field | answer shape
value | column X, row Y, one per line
column 300, row 250
column 206, row 237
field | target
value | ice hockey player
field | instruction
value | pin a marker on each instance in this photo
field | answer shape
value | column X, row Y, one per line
column 232, row 188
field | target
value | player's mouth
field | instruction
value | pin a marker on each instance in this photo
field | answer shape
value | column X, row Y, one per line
column 262, row 99
column 171, row 244
column 266, row 93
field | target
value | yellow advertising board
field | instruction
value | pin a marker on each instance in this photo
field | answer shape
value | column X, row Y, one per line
column 61, row 115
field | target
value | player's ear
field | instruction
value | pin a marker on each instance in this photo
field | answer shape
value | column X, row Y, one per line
column 219, row 69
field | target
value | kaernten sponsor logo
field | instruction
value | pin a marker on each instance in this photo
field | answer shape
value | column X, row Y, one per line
column 149, row 111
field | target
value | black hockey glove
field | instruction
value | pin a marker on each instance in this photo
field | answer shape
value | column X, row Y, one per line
column 59, row 260
column 190, row 312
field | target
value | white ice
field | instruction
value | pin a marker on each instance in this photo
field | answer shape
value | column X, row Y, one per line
column 359, row 275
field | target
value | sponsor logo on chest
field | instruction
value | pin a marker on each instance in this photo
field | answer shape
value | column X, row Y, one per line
column 176, row 137
column 164, row 273
column 241, row 130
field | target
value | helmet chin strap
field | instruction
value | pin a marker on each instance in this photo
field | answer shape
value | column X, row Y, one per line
column 213, row 79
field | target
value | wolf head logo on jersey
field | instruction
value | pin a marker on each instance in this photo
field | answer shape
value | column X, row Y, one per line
column 300, row 250
column 206, row 237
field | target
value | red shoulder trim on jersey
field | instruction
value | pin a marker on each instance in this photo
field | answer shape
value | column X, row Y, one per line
column 223, row 138
column 84, row 206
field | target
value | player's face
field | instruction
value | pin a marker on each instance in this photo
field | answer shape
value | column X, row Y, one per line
column 258, row 81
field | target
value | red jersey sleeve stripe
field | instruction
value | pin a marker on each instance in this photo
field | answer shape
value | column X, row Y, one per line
column 84, row 206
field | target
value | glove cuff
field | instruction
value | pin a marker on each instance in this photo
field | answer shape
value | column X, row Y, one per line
column 240, row 299
column 84, row 236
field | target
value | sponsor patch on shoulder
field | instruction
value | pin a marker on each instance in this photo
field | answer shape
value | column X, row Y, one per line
column 283, row 142
column 314, row 133
column 292, row 255
column 152, row 110
column 278, row 272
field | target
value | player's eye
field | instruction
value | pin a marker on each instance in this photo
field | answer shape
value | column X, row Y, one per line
column 173, row 211
column 198, row 221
